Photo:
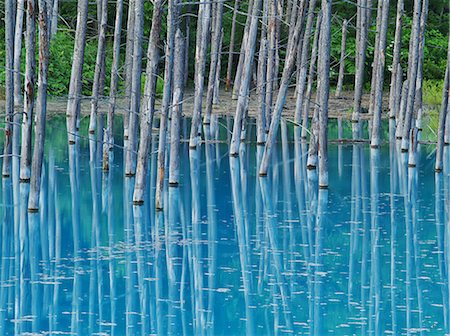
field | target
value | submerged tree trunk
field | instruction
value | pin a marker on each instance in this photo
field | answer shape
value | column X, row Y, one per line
column 148, row 104
column 131, row 144
column 214, row 67
column 97, row 89
column 242, row 103
column 129, row 50
column 108, row 141
column 340, row 81
column 18, row 109
column 178, row 83
column 30, row 79
column 9, row 86
column 396, row 75
column 204, row 19
column 41, row 108
column 282, row 93
column 172, row 20
column 74, row 96
column 323, row 91
column 378, row 91
column 412, row 74
column 231, row 51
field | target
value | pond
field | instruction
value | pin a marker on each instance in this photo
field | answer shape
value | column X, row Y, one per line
column 231, row 253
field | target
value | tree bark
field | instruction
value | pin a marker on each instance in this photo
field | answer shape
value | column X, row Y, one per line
column 178, row 82
column 131, row 144
column 148, row 104
column 9, row 86
column 74, row 96
column 378, row 92
column 231, row 51
column 340, row 81
column 108, row 142
column 129, row 49
column 41, row 108
column 30, row 80
column 203, row 26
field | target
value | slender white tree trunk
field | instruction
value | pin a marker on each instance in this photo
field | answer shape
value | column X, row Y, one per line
column 442, row 118
column 108, row 142
column 131, row 144
column 129, row 50
column 394, row 95
column 54, row 19
column 41, row 108
column 148, row 104
column 231, row 51
column 30, row 81
column 74, row 96
column 341, row 74
column 203, row 25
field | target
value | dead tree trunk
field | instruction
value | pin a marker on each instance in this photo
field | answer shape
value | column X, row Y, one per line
column 74, row 97
column 148, row 104
column 363, row 29
column 231, row 51
column 204, row 19
column 172, row 22
column 396, row 75
column 304, row 55
column 442, row 118
column 99, row 66
column 242, row 103
column 311, row 78
column 108, row 142
column 9, row 86
column 282, row 93
column 129, row 49
column 378, row 92
column 178, row 82
column 18, row 109
column 53, row 26
column 30, row 80
column 270, row 77
column 412, row 74
column 340, row 81
column 131, row 144
column 214, row 64
column 323, row 91
column 41, row 108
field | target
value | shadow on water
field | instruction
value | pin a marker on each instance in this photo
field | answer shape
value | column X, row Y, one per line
column 232, row 253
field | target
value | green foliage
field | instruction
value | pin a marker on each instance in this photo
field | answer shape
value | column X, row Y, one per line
column 432, row 92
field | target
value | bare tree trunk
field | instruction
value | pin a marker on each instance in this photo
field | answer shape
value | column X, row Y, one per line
column 131, row 145
column 394, row 95
column 216, row 95
column 9, row 86
column 148, row 104
column 74, row 97
column 108, row 141
column 363, row 29
column 270, row 77
column 323, row 91
column 378, row 92
column 231, row 51
column 178, row 82
column 214, row 64
column 442, row 118
column 412, row 74
column 304, row 55
column 203, row 27
column 53, row 26
column 311, row 77
column 244, row 44
column 129, row 49
column 41, row 108
column 97, row 91
column 401, row 110
column 18, row 109
column 172, row 23
column 30, row 79
column 342, row 60
column 282, row 93
column 242, row 103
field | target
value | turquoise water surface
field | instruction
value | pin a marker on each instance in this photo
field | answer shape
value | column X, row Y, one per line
column 232, row 253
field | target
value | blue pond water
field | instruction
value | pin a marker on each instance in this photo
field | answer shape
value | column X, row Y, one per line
column 232, row 253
